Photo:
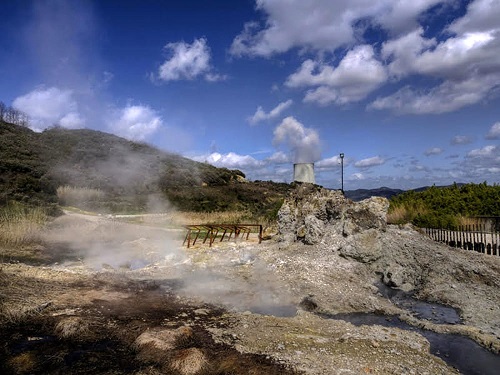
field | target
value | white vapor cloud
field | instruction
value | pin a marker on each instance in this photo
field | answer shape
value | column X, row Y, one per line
column 188, row 61
column 303, row 142
column 135, row 122
column 50, row 106
column 370, row 162
column 494, row 132
column 261, row 115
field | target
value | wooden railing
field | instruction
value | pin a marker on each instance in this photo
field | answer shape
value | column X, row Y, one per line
column 211, row 232
column 474, row 237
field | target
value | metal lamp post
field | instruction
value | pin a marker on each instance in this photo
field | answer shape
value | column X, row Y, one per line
column 342, row 171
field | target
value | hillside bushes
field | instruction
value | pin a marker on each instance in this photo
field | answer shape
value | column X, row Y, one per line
column 439, row 207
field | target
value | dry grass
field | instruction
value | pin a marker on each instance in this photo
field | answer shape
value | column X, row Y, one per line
column 73, row 196
column 24, row 363
column 26, row 291
column 402, row 214
column 464, row 221
column 189, row 361
column 72, row 327
column 20, row 225
column 224, row 217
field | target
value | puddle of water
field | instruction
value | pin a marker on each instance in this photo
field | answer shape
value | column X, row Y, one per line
column 458, row 351
column 434, row 312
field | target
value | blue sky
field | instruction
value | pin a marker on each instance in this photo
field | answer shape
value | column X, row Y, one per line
column 409, row 91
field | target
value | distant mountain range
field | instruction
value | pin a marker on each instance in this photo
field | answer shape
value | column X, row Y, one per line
column 360, row 194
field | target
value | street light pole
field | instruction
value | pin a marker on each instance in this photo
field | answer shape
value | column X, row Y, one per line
column 342, row 171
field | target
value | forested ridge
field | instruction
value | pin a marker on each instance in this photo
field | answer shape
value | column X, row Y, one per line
column 446, row 207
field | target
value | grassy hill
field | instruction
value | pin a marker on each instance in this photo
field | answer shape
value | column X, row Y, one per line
column 111, row 174
column 23, row 171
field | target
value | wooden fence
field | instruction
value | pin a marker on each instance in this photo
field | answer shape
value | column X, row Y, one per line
column 474, row 237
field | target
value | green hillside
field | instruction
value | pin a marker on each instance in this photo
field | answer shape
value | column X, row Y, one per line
column 443, row 207
column 118, row 175
column 24, row 173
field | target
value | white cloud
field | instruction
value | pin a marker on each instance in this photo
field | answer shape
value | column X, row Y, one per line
column 494, row 132
column 329, row 163
column 464, row 63
column 188, row 61
column 231, row 160
column 401, row 53
column 482, row 15
column 485, row 152
column 461, row 140
column 447, row 97
column 136, row 122
column 356, row 177
column 302, row 142
column 322, row 25
column 370, row 162
column 467, row 64
column 278, row 157
column 482, row 164
column 357, row 74
column 50, row 106
column 433, row 151
column 261, row 115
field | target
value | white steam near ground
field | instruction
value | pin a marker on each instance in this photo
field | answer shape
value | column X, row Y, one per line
column 232, row 276
column 150, row 246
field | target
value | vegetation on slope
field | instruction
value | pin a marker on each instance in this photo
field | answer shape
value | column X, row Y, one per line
column 23, row 172
column 102, row 172
column 443, row 207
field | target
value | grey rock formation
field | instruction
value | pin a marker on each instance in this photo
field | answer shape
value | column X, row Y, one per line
column 310, row 212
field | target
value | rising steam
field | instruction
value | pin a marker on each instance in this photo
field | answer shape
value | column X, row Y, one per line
column 303, row 143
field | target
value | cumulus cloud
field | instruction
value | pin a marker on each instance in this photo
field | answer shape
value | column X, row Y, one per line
column 321, row 25
column 370, row 162
column 188, row 62
column 357, row 74
column 494, row 132
column 302, row 142
column 135, row 122
column 447, row 97
column 261, row 115
column 464, row 62
column 433, row 151
column 50, row 106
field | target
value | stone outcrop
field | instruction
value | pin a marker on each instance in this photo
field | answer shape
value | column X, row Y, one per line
column 311, row 212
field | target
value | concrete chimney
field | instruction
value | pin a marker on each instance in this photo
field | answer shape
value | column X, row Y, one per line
column 304, row 172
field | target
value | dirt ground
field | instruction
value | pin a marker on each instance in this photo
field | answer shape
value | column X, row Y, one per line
column 106, row 297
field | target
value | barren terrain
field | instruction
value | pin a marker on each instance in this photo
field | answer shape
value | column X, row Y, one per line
column 109, row 297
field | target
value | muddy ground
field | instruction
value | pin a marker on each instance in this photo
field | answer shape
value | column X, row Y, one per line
column 107, row 297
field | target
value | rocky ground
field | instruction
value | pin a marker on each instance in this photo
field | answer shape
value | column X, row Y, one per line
column 240, row 307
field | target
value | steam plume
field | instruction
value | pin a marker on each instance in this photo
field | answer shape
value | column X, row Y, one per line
column 303, row 142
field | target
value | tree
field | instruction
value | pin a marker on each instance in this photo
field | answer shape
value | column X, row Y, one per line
column 13, row 115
